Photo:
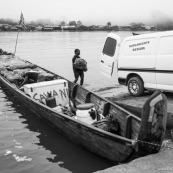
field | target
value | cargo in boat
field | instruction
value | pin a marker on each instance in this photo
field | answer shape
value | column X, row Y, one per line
column 84, row 117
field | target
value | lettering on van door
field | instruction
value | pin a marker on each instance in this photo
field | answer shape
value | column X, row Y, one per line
column 141, row 46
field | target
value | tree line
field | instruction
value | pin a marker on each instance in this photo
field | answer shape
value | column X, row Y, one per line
column 133, row 26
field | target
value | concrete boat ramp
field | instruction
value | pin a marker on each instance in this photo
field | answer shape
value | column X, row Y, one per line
column 160, row 162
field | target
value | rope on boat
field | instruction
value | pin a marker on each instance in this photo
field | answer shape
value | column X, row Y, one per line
column 163, row 145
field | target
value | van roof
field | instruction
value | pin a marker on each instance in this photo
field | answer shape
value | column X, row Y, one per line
column 147, row 35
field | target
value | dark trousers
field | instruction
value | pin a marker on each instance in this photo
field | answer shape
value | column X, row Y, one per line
column 78, row 73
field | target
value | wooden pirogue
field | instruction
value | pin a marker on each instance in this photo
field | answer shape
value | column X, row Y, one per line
column 133, row 132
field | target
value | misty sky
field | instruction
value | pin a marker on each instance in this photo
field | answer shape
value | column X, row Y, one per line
column 118, row 12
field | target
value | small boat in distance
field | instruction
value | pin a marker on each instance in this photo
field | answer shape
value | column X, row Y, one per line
column 134, row 33
column 84, row 117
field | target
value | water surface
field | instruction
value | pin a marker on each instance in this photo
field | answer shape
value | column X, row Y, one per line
column 27, row 143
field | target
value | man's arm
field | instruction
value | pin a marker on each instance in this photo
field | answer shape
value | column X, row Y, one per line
column 73, row 59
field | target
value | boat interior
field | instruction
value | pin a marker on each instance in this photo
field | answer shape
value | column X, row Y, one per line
column 69, row 98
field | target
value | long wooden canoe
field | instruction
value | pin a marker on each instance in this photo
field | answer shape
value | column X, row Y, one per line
column 115, row 147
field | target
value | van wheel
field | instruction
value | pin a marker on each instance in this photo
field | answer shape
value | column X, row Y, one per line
column 135, row 86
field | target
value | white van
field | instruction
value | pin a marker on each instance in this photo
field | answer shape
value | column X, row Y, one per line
column 141, row 61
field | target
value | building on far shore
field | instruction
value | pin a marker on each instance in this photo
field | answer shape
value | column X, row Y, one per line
column 39, row 28
column 79, row 27
column 68, row 27
column 125, row 28
column 47, row 28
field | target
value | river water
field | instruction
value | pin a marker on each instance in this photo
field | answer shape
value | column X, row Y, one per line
column 28, row 144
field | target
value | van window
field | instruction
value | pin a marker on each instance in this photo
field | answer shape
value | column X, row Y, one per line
column 165, row 45
column 110, row 46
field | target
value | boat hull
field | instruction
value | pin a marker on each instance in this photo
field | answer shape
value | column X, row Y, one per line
column 107, row 145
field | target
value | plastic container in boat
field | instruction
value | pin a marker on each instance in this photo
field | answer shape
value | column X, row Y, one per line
column 58, row 109
column 40, row 91
column 50, row 101
column 83, row 113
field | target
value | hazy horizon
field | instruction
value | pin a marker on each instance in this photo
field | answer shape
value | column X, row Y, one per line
column 118, row 12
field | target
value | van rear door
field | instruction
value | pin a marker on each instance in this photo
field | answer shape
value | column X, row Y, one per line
column 164, row 61
column 109, row 56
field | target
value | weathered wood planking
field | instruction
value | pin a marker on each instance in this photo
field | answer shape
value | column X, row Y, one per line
column 104, row 107
column 135, row 127
column 153, row 124
column 105, row 144
column 114, row 147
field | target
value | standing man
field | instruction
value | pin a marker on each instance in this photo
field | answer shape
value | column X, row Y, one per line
column 77, row 72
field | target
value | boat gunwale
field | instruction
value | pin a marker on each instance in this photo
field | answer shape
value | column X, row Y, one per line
column 113, row 104
column 101, row 132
